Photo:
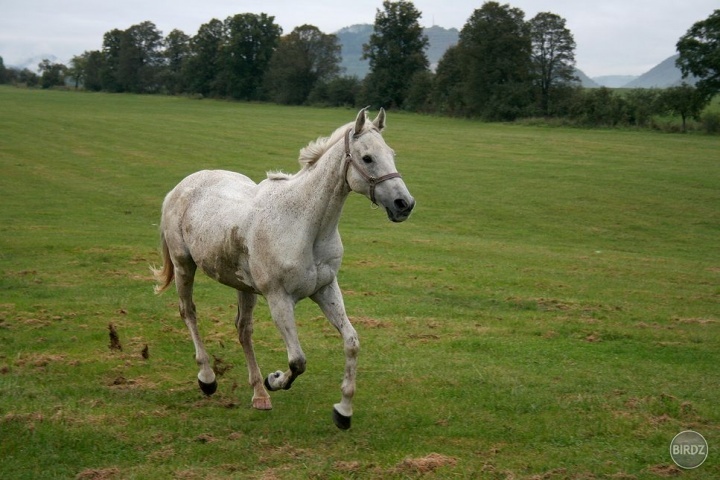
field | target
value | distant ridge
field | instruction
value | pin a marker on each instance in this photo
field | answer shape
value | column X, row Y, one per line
column 33, row 62
column 585, row 81
column 665, row 74
column 353, row 38
column 614, row 81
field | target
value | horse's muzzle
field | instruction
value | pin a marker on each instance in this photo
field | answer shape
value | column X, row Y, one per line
column 400, row 210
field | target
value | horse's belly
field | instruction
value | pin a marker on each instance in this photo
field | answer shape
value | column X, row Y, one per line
column 229, row 271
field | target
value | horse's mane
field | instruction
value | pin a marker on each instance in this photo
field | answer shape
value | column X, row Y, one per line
column 315, row 150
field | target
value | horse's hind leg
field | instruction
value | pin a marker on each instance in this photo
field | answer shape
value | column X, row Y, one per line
column 244, row 324
column 184, row 278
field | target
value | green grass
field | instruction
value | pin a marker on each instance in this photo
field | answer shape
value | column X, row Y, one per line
column 551, row 309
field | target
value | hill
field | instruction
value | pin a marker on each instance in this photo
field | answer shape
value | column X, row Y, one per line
column 586, row 81
column 32, row 62
column 665, row 74
column 352, row 40
column 614, row 81
column 354, row 37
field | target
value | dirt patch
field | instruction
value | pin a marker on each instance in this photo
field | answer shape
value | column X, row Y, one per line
column 275, row 473
column 367, row 322
column 622, row 476
column 220, row 366
column 665, row 470
column 593, row 338
column 555, row 473
column 119, row 381
column 348, row 467
column 40, row 360
column 27, row 418
column 426, row 464
column 696, row 321
column 98, row 473
column 205, row 438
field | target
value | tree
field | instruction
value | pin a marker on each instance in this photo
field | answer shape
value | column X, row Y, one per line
column 699, row 51
column 204, row 63
column 304, row 59
column 396, row 51
column 338, row 92
column 251, row 41
column 27, row 77
column 176, row 53
column 552, row 54
column 419, row 94
column 93, row 70
column 495, row 48
column 3, row 72
column 599, row 107
column 449, row 83
column 78, row 69
column 111, row 48
column 642, row 104
column 52, row 74
column 685, row 100
column 140, row 58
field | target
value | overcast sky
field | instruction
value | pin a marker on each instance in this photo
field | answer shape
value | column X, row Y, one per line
column 614, row 37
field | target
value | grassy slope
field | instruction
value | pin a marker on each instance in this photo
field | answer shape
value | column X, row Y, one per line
column 550, row 309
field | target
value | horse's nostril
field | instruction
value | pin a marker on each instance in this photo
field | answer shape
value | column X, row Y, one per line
column 404, row 206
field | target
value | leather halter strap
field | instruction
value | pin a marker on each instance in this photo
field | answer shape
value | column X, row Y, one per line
column 372, row 181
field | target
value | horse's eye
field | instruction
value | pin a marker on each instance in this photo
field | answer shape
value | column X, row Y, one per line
column 367, row 159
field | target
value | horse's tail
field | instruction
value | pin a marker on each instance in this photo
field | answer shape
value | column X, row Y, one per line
column 166, row 275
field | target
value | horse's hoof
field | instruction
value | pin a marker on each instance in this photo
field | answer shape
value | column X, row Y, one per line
column 341, row 421
column 208, row 388
column 262, row 403
column 267, row 384
column 267, row 381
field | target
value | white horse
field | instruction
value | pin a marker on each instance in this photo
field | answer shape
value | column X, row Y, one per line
column 279, row 239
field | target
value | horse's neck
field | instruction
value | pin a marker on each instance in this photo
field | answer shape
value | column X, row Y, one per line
column 325, row 189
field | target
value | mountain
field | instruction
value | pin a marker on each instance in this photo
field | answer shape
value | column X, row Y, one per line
column 585, row 81
column 614, row 81
column 33, row 62
column 440, row 40
column 351, row 40
column 354, row 37
column 665, row 74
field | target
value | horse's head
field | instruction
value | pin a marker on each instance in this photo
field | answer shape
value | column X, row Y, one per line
column 374, row 173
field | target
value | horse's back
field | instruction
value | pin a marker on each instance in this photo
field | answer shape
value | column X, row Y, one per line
column 215, row 183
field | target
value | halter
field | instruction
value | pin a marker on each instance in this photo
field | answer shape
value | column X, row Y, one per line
column 372, row 181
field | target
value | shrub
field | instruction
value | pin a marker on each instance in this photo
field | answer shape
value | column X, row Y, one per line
column 711, row 122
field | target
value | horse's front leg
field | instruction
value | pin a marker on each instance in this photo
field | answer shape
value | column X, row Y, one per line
column 330, row 300
column 282, row 309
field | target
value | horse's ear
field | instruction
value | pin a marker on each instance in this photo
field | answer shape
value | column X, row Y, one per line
column 360, row 120
column 379, row 121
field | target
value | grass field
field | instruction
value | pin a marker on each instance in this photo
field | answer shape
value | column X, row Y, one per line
column 551, row 310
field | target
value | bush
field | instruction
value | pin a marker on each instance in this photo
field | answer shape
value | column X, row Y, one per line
column 711, row 122
column 600, row 107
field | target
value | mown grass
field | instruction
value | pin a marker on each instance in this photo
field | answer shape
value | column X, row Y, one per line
column 549, row 311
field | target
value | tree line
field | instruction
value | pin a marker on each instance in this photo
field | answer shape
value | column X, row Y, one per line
column 503, row 67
